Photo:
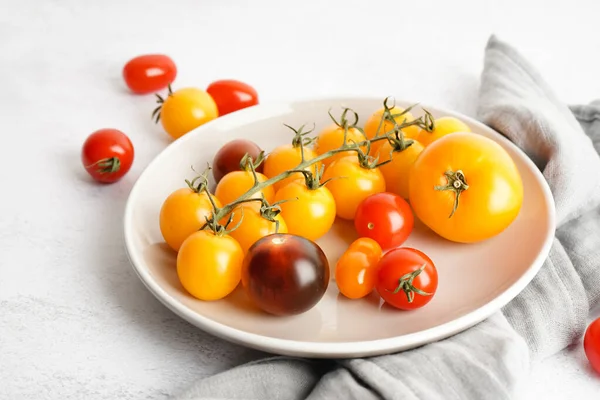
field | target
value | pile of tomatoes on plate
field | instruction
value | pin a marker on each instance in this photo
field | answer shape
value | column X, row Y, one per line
column 261, row 224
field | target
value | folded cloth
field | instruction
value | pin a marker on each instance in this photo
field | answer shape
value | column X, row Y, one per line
column 492, row 359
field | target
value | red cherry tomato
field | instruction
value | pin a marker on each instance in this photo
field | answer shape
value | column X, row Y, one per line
column 149, row 73
column 407, row 278
column 591, row 344
column 386, row 218
column 231, row 95
column 107, row 155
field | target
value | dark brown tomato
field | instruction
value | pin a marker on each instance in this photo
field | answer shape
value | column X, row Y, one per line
column 228, row 157
column 285, row 274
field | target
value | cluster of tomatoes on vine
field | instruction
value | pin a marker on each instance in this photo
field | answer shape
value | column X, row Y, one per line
column 107, row 154
column 261, row 225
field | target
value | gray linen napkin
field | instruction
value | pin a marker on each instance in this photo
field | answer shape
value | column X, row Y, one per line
column 493, row 358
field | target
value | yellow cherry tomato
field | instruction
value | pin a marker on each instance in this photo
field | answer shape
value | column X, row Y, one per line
column 182, row 213
column 253, row 225
column 185, row 110
column 208, row 266
column 236, row 183
column 465, row 187
column 284, row 158
column 352, row 183
column 397, row 172
column 376, row 127
column 312, row 214
column 332, row 137
column 443, row 126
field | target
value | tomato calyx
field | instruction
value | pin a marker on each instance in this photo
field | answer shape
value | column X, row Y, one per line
column 405, row 283
column 367, row 161
column 160, row 100
column 313, row 181
column 457, row 182
column 202, row 185
column 107, row 165
column 247, row 163
column 300, row 139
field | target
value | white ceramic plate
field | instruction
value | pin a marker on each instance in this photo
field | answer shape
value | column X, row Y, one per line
column 475, row 280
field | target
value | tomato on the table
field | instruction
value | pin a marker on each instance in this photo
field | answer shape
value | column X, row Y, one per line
column 591, row 344
column 356, row 269
column 465, row 187
column 351, row 183
column 149, row 73
column 107, row 155
column 386, row 218
column 232, row 95
column 209, row 266
column 184, row 110
column 309, row 213
column 407, row 278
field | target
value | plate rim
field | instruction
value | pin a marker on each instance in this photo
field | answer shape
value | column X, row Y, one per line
column 349, row 348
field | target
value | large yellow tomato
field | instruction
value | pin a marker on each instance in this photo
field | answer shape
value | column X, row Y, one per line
column 312, row 214
column 443, row 126
column 376, row 127
column 182, row 213
column 351, row 184
column 208, row 266
column 332, row 137
column 253, row 225
column 397, row 172
column 186, row 109
column 284, row 158
column 236, row 183
column 465, row 187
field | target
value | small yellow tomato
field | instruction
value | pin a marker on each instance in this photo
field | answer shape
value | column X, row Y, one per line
column 236, row 183
column 284, row 158
column 443, row 126
column 185, row 110
column 182, row 213
column 312, row 214
column 209, row 267
column 397, row 172
column 376, row 127
column 253, row 225
column 351, row 184
column 332, row 137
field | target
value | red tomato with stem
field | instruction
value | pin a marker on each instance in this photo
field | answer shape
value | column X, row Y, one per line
column 231, row 95
column 107, row 155
column 149, row 73
column 591, row 344
column 407, row 278
column 386, row 218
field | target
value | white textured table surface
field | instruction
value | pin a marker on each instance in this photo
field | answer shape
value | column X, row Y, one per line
column 75, row 321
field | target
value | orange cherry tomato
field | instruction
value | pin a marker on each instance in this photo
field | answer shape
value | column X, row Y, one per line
column 312, row 214
column 351, row 183
column 182, row 213
column 332, row 137
column 236, row 183
column 356, row 270
column 397, row 172
column 443, row 126
column 209, row 267
column 376, row 127
column 287, row 157
column 253, row 225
